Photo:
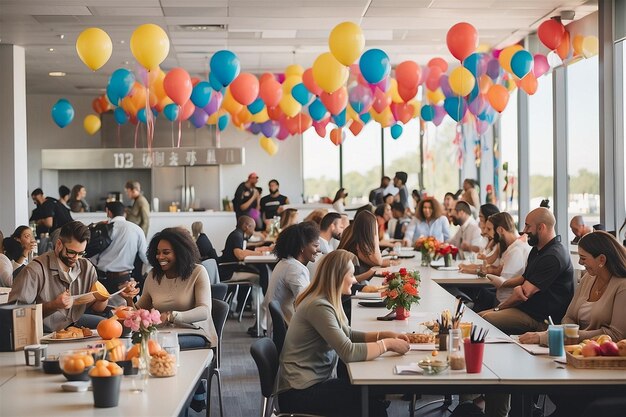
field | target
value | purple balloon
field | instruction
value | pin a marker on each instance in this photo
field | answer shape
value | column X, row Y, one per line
column 493, row 69
column 198, row 118
column 283, row 132
column 440, row 113
column 481, row 126
column 477, row 106
column 214, row 104
column 445, row 86
column 255, row 128
column 384, row 84
column 270, row 128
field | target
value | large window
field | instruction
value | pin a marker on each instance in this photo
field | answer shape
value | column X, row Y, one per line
column 540, row 144
column 320, row 166
column 583, row 142
column 507, row 193
column 403, row 154
column 362, row 156
column 441, row 155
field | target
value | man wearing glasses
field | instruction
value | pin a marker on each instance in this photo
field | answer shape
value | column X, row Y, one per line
column 54, row 277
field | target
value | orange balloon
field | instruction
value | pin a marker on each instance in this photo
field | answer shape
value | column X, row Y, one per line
column 335, row 102
column 270, row 91
column 336, row 136
column 186, row 110
column 529, row 84
column 564, row 47
column 408, row 74
column 244, row 116
column 498, row 97
column 439, row 63
column 484, row 84
column 275, row 113
column 578, row 44
column 127, row 104
column 462, row 40
column 245, row 88
column 298, row 124
column 356, row 126
column 506, row 55
column 309, row 82
column 138, row 95
column 177, row 85
column 266, row 76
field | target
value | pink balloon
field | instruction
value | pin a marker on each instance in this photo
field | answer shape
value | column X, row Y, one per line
column 440, row 113
column 541, row 65
column 283, row 132
column 432, row 82
column 381, row 101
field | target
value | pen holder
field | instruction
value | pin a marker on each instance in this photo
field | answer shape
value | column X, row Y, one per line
column 473, row 356
column 443, row 342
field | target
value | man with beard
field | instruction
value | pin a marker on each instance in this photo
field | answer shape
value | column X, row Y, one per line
column 271, row 203
column 331, row 227
column 546, row 287
column 468, row 235
column 54, row 277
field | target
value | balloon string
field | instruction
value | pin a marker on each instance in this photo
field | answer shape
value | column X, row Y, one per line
column 119, row 138
column 136, row 132
column 149, row 119
column 180, row 125
column 172, row 134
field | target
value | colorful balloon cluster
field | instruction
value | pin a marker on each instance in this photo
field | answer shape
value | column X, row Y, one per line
column 345, row 87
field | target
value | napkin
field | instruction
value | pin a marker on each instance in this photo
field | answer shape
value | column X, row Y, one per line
column 410, row 369
column 422, row 346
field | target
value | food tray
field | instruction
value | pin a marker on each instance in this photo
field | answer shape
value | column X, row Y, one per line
column 596, row 362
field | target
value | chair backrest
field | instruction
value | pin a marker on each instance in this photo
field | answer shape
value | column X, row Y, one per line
column 279, row 326
column 219, row 313
column 212, row 269
column 265, row 356
column 218, row 291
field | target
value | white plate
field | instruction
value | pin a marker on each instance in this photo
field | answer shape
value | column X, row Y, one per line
column 368, row 296
column 49, row 338
column 448, row 268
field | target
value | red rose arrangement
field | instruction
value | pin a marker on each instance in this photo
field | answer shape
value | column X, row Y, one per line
column 402, row 289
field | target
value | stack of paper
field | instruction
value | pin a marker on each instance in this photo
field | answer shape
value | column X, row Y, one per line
column 410, row 369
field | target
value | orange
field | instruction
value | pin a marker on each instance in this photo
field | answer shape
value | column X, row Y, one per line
column 133, row 352
column 110, row 328
column 123, row 313
column 153, row 347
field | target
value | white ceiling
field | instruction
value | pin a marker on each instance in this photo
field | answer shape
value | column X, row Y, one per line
column 266, row 35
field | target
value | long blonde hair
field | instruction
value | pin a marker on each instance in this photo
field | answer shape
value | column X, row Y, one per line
column 328, row 280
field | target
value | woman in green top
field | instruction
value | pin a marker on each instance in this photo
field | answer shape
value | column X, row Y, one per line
column 318, row 335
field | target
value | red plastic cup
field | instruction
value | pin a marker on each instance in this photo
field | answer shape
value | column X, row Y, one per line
column 473, row 356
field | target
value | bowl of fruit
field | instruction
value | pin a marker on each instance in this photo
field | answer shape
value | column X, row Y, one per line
column 432, row 366
column 75, row 364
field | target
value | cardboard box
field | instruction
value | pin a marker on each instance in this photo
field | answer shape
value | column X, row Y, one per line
column 20, row 325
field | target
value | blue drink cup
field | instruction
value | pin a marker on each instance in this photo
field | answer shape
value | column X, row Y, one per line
column 555, row 340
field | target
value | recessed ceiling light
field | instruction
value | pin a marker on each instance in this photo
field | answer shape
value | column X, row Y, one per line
column 61, row 36
column 51, row 49
column 56, row 74
column 122, row 41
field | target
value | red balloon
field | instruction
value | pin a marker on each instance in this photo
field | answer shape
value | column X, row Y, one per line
column 439, row 63
column 407, row 94
column 462, row 40
column 245, row 88
column 186, row 110
column 336, row 136
column 408, row 74
column 336, row 101
column 309, row 82
column 275, row 113
column 177, row 85
column 270, row 91
column 356, row 126
column 564, row 47
column 551, row 33
column 298, row 124
column 266, row 76
column 402, row 112
column 195, row 80
column 381, row 101
column 432, row 82
column 100, row 104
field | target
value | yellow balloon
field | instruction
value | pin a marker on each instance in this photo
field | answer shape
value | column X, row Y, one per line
column 294, row 69
column 149, row 45
column 590, row 46
column 290, row 82
column 328, row 73
column 261, row 116
column 231, row 105
column 417, row 107
column 461, row 81
column 268, row 145
column 94, row 47
column 506, row 55
column 435, row 97
column 393, row 91
column 91, row 124
column 577, row 43
column 346, row 42
column 212, row 119
column 351, row 114
column 289, row 105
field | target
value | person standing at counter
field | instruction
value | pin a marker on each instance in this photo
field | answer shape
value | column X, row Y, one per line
column 247, row 198
column 77, row 202
column 43, row 214
column 271, row 203
column 139, row 212
column 61, row 209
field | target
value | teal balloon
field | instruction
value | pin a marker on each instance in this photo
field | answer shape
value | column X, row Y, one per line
column 225, row 66
column 121, row 82
column 215, row 84
column 455, row 107
column 396, row 131
column 428, row 113
column 340, row 119
column 120, row 115
column 474, row 64
column 301, row 94
column 171, row 112
column 365, row 117
column 256, row 106
column 222, row 122
column 521, row 63
column 201, row 94
column 62, row 113
column 112, row 96
column 141, row 115
column 317, row 110
column 374, row 65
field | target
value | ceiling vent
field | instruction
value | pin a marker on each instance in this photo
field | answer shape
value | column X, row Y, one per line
column 203, row 28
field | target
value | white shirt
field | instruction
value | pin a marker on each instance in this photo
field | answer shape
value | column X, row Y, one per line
column 6, row 271
column 468, row 233
column 127, row 240
column 289, row 278
column 513, row 264
column 324, row 246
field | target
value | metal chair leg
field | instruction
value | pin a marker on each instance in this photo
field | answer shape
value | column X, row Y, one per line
column 243, row 307
column 219, row 391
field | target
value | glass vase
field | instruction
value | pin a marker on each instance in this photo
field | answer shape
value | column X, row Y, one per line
column 447, row 260
column 426, row 259
column 140, row 381
column 402, row 313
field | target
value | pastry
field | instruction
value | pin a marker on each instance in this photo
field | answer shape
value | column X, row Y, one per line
column 421, row 338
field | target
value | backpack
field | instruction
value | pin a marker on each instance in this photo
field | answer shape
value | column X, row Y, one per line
column 100, row 238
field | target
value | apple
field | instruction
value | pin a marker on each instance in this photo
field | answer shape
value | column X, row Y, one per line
column 609, row 349
column 621, row 345
column 591, row 348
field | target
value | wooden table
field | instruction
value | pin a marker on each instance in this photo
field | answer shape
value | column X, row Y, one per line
column 27, row 391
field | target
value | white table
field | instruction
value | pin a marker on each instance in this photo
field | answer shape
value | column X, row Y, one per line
column 265, row 261
column 30, row 392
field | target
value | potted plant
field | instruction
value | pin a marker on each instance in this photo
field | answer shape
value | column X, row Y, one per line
column 427, row 245
column 447, row 252
column 402, row 291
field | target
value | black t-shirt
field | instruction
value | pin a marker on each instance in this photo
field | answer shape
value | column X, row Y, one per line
column 235, row 240
column 42, row 211
column 550, row 270
column 206, row 248
column 270, row 204
column 243, row 194
column 61, row 216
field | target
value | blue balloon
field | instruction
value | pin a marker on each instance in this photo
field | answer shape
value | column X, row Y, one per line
column 225, row 66
column 374, row 65
column 428, row 113
column 201, row 94
column 317, row 110
column 256, row 106
column 474, row 93
column 340, row 119
column 120, row 115
column 396, row 131
column 489, row 115
column 121, row 82
column 141, row 115
column 171, row 112
column 473, row 64
column 301, row 94
column 365, row 117
column 62, row 113
column 270, row 128
column 222, row 122
column 112, row 96
column 215, row 84
column 521, row 63
column 455, row 107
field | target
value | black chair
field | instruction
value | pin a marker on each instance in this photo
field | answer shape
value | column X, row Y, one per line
column 265, row 356
column 219, row 313
column 279, row 325
column 606, row 407
column 238, row 285
column 218, row 291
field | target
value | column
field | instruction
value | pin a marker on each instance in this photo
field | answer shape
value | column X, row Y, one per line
column 14, row 198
